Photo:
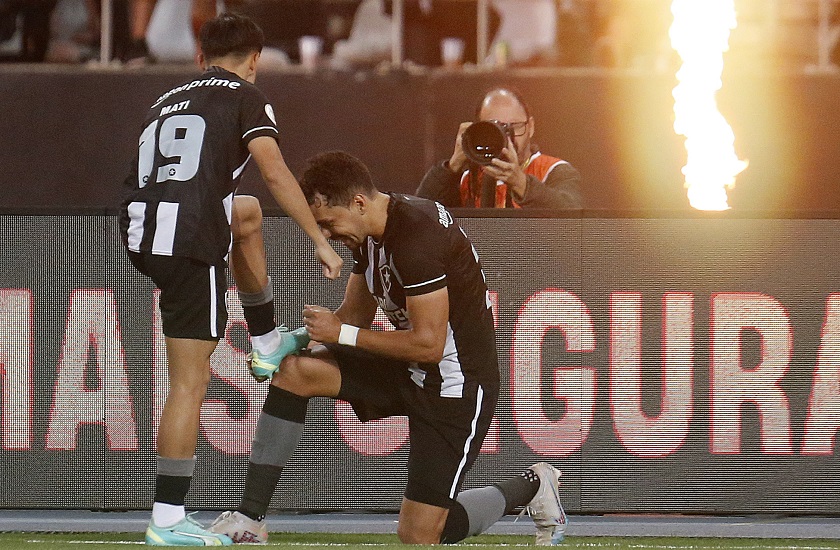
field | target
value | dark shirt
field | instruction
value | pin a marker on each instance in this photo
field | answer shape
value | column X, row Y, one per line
column 191, row 155
column 550, row 183
column 423, row 249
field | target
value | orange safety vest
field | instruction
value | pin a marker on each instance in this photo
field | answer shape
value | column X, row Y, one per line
column 539, row 165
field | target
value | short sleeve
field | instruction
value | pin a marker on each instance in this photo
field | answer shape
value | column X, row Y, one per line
column 420, row 257
column 257, row 116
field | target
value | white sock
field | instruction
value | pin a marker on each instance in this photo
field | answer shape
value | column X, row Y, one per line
column 266, row 344
column 167, row 515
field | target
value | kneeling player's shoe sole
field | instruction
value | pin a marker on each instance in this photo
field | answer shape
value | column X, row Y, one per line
column 186, row 532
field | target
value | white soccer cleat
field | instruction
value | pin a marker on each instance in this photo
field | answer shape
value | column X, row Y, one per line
column 545, row 508
column 240, row 528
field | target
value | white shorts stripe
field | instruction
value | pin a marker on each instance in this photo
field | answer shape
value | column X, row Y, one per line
column 213, row 332
column 479, row 398
column 167, row 219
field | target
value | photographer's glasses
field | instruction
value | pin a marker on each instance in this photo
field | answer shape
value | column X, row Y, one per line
column 516, row 128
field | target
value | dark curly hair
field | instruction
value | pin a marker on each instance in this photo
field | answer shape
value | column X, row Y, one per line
column 338, row 177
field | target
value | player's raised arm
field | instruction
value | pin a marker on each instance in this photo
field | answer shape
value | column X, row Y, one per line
column 286, row 191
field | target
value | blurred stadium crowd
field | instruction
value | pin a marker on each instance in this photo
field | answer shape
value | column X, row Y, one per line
column 795, row 34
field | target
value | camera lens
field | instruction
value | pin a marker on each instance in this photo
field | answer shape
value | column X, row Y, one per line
column 483, row 141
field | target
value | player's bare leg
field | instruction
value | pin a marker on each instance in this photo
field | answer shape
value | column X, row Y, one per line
column 189, row 376
column 247, row 258
column 249, row 268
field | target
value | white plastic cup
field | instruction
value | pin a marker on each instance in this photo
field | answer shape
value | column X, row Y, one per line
column 310, row 50
column 452, row 52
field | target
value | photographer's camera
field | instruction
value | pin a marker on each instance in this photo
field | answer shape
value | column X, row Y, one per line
column 483, row 141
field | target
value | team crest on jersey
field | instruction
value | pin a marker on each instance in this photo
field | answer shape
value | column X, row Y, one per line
column 270, row 112
column 385, row 275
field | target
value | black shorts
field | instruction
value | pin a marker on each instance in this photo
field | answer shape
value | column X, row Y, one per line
column 445, row 433
column 192, row 295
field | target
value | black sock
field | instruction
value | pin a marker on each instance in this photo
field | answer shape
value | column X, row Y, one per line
column 260, row 319
column 519, row 490
column 171, row 489
column 285, row 405
column 260, row 483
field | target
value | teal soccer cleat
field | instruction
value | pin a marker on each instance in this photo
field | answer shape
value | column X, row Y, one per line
column 262, row 368
column 187, row 532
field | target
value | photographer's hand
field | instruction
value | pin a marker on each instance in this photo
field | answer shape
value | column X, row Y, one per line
column 508, row 170
column 458, row 160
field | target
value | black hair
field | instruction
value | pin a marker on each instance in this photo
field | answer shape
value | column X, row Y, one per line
column 517, row 95
column 338, row 177
column 230, row 33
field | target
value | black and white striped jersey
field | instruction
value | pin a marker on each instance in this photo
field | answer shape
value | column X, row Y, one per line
column 191, row 154
column 423, row 249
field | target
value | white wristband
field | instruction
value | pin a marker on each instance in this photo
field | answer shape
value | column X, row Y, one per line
column 348, row 335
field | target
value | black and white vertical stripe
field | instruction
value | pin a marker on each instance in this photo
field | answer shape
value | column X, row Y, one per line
column 479, row 401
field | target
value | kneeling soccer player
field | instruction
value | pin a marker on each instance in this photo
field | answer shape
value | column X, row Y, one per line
column 439, row 368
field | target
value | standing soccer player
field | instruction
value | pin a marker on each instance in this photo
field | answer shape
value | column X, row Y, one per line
column 180, row 223
column 440, row 367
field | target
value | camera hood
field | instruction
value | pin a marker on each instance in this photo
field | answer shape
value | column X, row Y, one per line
column 483, row 141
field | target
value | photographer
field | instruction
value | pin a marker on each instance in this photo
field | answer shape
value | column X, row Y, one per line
column 517, row 176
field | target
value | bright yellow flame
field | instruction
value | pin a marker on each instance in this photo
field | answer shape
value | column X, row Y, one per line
column 700, row 35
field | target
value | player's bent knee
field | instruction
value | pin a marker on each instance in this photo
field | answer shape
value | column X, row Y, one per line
column 291, row 376
column 247, row 216
column 307, row 377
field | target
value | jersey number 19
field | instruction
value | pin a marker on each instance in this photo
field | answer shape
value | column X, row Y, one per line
column 179, row 140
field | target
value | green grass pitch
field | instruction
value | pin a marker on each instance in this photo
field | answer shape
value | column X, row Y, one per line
column 321, row 541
